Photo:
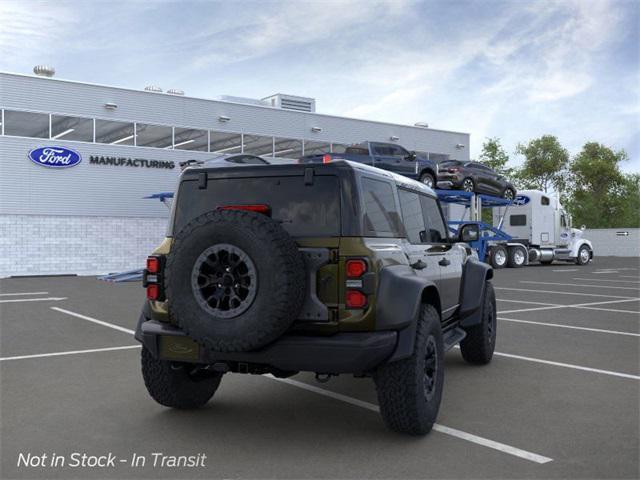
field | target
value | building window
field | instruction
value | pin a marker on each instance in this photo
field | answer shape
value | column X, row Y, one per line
column 26, row 124
column 222, row 142
column 71, row 128
column 258, row 145
column 287, row 148
column 438, row 157
column 338, row 148
column 191, row 139
column 316, row 148
column 157, row 136
column 114, row 133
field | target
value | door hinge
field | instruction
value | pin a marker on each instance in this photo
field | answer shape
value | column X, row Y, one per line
column 333, row 256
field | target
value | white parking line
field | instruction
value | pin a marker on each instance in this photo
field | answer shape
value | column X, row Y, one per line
column 568, row 365
column 567, row 270
column 23, row 293
column 528, row 302
column 597, row 330
column 93, row 320
column 634, row 312
column 469, row 437
column 71, row 352
column 19, row 300
column 561, row 293
column 581, row 285
column 628, row 276
column 604, row 280
column 587, row 306
column 605, row 272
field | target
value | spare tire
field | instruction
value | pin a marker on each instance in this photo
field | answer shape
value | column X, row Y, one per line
column 235, row 280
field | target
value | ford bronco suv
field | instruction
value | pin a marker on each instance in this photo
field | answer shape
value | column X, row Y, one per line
column 331, row 268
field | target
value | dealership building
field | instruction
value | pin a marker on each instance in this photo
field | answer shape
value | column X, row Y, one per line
column 120, row 145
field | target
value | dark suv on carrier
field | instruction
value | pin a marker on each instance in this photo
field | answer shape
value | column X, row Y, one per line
column 331, row 268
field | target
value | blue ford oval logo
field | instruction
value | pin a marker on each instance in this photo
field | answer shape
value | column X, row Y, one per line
column 55, row 157
column 521, row 200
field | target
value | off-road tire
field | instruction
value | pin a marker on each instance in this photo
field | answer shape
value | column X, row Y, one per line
column 428, row 177
column 280, row 278
column 512, row 262
column 478, row 346
column 495, row 257
column 401, row 384
column 172, row 385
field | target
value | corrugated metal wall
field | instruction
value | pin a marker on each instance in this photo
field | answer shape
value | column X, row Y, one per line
column 614, row 242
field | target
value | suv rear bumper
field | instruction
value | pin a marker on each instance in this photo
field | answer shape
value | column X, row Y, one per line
column 347, row 352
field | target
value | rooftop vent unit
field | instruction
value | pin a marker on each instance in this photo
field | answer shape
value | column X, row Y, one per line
column 291, row 102
column 175, row 91
column 44, row 71
column 153, row 88
column 244, row 100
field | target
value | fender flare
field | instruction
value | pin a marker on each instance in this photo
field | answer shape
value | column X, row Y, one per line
column 474, row 278
column 430, row 171
column 399, row 297
column 580, row 243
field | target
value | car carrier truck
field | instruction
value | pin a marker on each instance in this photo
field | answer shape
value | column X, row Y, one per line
column 539, row 225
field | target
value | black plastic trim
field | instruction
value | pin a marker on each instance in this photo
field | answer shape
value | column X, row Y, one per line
column 474, row 277
column 339, row 353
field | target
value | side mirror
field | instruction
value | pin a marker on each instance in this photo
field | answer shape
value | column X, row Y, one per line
column 411, row 157
column 583, row 227
column 469, row 233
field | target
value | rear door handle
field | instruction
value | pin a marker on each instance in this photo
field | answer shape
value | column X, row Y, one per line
column 444, row 262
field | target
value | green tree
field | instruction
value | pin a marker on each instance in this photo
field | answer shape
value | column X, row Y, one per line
column 600, row 195
column 545, row 164
column 494, row 156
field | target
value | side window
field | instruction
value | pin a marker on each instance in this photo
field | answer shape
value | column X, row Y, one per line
column 544, row 200
column 398, row 151
column 517, row 220
column 563, row 220
column 380, row 208
column 412, row 215
column 436, row 229
column 382, row 150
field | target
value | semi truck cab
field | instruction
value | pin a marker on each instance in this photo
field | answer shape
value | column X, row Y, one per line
column 540, row 223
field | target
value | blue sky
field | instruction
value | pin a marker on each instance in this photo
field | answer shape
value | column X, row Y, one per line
column 514, row 70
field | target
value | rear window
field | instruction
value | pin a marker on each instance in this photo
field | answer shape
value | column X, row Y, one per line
column 357, row 151
column 450, row 163
column 381, row 217
column 303, row 210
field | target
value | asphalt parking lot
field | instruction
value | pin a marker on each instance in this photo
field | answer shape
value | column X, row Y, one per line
column 560, row 399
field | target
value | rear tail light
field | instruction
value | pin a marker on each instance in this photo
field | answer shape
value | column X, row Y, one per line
column 153, row 265
column 356, row 299
column 326, row 158
column 355, row 268
column 152, row 278
column 153, row 291
column 259, row 208
column 356, row 290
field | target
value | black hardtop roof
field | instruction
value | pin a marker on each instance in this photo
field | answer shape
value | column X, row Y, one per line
column 338, row 167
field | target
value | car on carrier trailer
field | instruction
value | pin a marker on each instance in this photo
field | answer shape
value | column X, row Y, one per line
column 327, row 268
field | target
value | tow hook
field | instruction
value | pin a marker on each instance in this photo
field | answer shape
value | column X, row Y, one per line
column 323, row 377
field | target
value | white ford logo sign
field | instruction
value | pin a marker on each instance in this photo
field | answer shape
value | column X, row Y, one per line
column 55, row 157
